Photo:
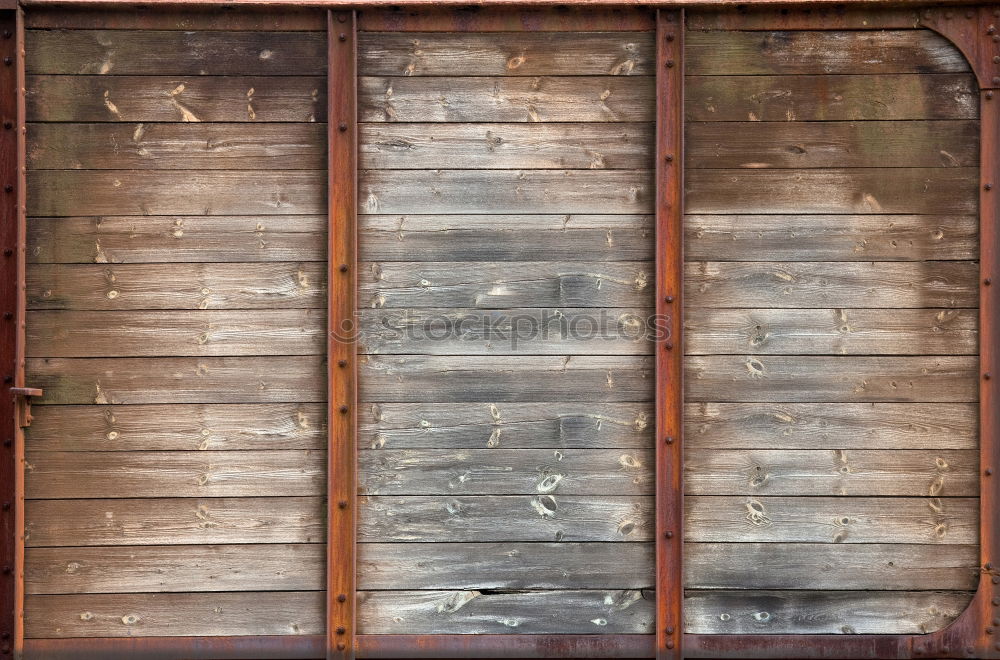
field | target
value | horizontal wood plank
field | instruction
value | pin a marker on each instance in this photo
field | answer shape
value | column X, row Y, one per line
column 487, row 18
column 293, row 19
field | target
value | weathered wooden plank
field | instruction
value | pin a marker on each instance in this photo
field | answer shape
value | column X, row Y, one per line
column 191, row 18
column 498, row 146
column 774, row 16
column 830, row 426
column 173, row 52
column 183, row 568
column 505, row 99
column 285, row 379
column 175, row 521
column 441, row 379
column 815, row 52
column 507, row 472
column 162, row 615
column 820, row 285
column 534, row 518
column 831, row 98
column 486, row 18
column 178, row 427
column 175, row 239
column 152, row 192
column 505, row 566
column 932, row 520
column 171, row 99
column 166, row 286
column 844, row 379
column 830, row 237
column 516, row 612
column 506, row 54
column 836, row 567
column 831, row 331
column 507, row 191
column 856, row 472
column 506, row 237
column 756, row 145
column 512, row 426
column 177, row 146
column 484, row 285
column 176, row 333
column 927, row 191
column 71, row 475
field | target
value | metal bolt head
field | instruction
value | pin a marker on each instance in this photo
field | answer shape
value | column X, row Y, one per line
column 341, row 363
column 341, row 630
column 987, row 376
column 342, row 127
column 988, row 186
column 670, row 630
column 8, row 60
column 7, row 34
column 669, row 346
column 991, row 29
column 669, row 158
column 989, row 95
column 8, row 252
column 989, row 471
column 670, row 643
column 670, row 64
column 669, row 37
column 669, row 299
column 342, row 504
column 342, row 37
column 8, row 124
column 343, row 410
column 8, row 315
column 8, row 188
column 342, row 18
column 669, row 440
column 341, row 598
column 343, row 268
column 7, row 570
column 341, row 646
column 668, row 534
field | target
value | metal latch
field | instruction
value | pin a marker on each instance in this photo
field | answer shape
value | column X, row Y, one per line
column 22, row 399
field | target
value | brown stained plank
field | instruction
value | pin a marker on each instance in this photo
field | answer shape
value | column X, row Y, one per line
column 176, row 333
column 174, row 99
column 472, row 612
column 948, row 521
column 151, row 192
column 78, row 475
column 285, row 379
column 175, row 521
column 488, row 379
column 173, row 53
column 506, row 237
column 820, row 52
column 183, row 568
column 162, row 615
column 174, row 239
column 838, row 379
column 834, row 567
column 756, row 145
column 499, row 146
column 507, row 472
column 473, row 519
column 831, row 331
column 768, row 17
column 181, row 286
column 830, row 237
column 178, row 427
column 511, row 426
column 832, row 98
column 191, row 146
column 926, row 191
column 832, row 284
column 831, row 426
column 506, row 54
column 191, row 18
column 505, row 566
column 484, row 18
column 498, row 99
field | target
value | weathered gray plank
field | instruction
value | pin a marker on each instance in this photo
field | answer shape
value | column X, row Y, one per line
column 506, row 53
column 534, row 518
column 823, row 285
column 183, row 568
column 499, row 99
column 499, row 146
column 830, row 237
column 191, row 146
column 71, row 475
column 505, row 284
column 928, row 191
column 507, row 472
column 286, row 379
column 176, row 333
column 517, row 612
column 844, row 379
column 187, row 99
column 835, row 567
column 831, row 425
column 168, row 286
column 509, row 191
column 931, row 520
column 756, row 145
column 831, row 331
column 830, row 98
column 175, row 521
column 440, row 379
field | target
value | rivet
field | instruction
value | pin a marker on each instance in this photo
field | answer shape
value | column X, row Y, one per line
column 7, row 570
column 989, row 471
column 670, row 64
column 669, row 440
column 670, row 644
column 8, row 379
column 7, row 34
column 343, row 127
column 342, row 504
column 341, row 630
column 341, row 598
column 987, row 376
column 8, row 188
column 341, row 363
column 343, row 410
column 342, row 18
column 8, row 442
column 669, row 299
column 988, row 186
column 669, row 346
column 989, row 95
column 8, row 124
column 343, row 268
column 8, row 60
column 8, row 315
column 342, row 37
column 670, row 630
column 670, row 37
column 8, row 252
column 341, row 646
column 996, row 59
column 669, row 158
column 668, row 534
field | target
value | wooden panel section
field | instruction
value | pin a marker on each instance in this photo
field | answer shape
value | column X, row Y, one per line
column 525, row 20
column 293, row 19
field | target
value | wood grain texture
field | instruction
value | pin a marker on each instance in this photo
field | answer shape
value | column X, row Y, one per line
column 290, row 19
column 486, row 18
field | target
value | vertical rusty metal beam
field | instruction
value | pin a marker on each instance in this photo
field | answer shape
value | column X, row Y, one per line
column 669, row 347
column 342, row 354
